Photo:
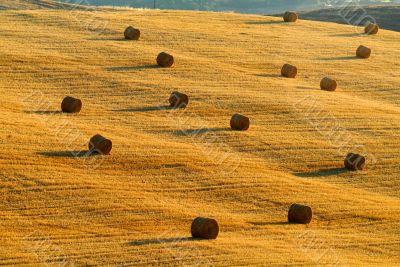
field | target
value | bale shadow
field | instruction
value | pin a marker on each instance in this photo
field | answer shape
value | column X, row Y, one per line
column 322, row 173
column 177, row 165
column 45, row 112
column 201, row 131
column 348, row 34
column 108, row 39
column 146, row 109
column 150, row 66
column 338, row 58
column 264, row 22
column 270, row 75
column 306, row 88
column 69, row 154
column 162, row 241
column 269, row 223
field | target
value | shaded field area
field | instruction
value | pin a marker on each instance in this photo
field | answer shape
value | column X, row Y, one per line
column 388, row 17
column 168, row 166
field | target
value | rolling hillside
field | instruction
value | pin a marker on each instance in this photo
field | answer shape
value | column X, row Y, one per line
column 60, row 207
column 388, row 17
column 39, row 4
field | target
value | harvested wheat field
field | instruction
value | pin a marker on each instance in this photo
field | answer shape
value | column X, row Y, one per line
column 62, row 206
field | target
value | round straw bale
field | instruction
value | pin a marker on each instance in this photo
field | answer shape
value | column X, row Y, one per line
column 204, row 228
column 354, row 162
column 240, row 122
column 165, row 60
column 178, row 100
column 100, row 144
column 371, row 28
column 290, row 16
column 363, row 52
column 71, row 105
column 299, row 214
column 289, row 71
column 328, row 84
column 132, row 33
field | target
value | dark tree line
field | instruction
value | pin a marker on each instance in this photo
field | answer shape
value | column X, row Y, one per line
column 251, row 6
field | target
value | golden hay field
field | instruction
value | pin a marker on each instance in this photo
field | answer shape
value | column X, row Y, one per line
column 135, row 206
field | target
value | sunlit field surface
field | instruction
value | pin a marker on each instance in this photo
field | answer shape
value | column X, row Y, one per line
column 59, row 206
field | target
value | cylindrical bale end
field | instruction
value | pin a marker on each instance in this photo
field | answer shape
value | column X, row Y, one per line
column 132, row 33
column 290, row 16
column 205, row 228
column 354, row 162
column 71, row 105
column 300, row 214
column 328, row 84
column 371, row 28
column 363, row 52
column 240, row 122
column 100, row 144
column 289, row 71
column 178, row 100
column 165, row 60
